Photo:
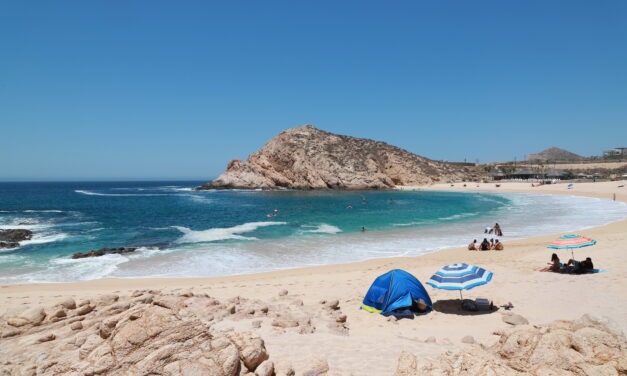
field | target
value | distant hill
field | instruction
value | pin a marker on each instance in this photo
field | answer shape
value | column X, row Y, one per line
column 554, row 154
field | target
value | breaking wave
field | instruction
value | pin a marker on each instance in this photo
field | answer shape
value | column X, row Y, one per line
column 215, row 234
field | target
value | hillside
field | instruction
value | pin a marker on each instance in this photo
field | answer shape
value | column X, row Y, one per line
column 554, row 154
column 308, row 158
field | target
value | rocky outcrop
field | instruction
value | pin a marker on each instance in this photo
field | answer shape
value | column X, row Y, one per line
column 11, row 238
column 155, row 333
column 308, row 158
column 104, row 251
column 591, row 345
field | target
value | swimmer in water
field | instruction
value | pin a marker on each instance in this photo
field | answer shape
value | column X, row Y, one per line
column 349, row 207
column 363, row 229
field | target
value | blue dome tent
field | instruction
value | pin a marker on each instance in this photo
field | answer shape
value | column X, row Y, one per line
column 394, row 290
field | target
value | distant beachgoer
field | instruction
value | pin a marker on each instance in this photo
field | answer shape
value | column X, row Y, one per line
column 363, row 229
column 498, row 246
column 554, row 266
column 580, row 267
column 276, row 210
column 349, row 207
column 488, row 230
column 485, row 245
column 492, row 243
column 497, row 230
column 473, row 246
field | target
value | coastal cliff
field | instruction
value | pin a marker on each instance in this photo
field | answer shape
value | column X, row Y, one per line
column 308, row 158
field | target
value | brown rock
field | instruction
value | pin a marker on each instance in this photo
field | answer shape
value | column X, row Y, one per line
column 251, row 348
column 468, row 339
column 85, row 309
column 283, row 292
column 515, row 319
column 76, row 325
column 17, row 321
column 10, row 332
column 68, row 303
column 107, row 299
column 285, row 323
column 308, row 158
column 283, row 368
column 34, row 315
column 47, row 338
column 256, row 323
column 314, row 367
column 266, row 368
column 333, row 304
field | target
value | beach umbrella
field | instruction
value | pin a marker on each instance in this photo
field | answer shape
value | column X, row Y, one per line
column 571, row 242
column 459, row 277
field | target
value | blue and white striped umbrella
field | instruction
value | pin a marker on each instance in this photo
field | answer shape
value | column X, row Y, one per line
column 459, row 277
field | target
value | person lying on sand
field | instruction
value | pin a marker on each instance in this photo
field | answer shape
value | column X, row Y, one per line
column 485, row 245
column 473, row 246
column 580, row 267
column 498, row 246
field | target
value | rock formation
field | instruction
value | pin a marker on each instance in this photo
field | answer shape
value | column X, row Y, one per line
column 11, row 238
column 308, row 158
column 155, row 333
column 104, row 251
column 591, row 345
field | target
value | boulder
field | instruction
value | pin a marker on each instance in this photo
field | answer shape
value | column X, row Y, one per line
column 15, row 235
column 266, row 368
column 468, row 339
column 68, row 303
column 317, row 366
column 251, row 347
column 34, row 315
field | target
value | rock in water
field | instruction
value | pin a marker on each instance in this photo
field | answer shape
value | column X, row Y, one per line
column 104, row 251
column 11, row 238
column 308, row 158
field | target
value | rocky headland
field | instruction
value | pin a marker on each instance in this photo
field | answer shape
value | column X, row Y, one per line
column 308, row 158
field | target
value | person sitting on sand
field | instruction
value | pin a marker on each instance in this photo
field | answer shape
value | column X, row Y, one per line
column 473, row 246
column 492, row 243
column 485, row 245
column 555, row 265
column 498, row 246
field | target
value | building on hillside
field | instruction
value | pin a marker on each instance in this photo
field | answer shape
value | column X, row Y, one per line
column 530, row 173
column 616, row 152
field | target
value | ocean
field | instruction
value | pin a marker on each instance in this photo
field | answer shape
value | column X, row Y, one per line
column 181, row 232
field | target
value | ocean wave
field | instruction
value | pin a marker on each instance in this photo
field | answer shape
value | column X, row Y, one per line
column 215, row 234
column 323, row 229
column 44, row 238
column 42, row 211
column 457, row 216
column 90, row 193
column 415, row 223
column 199, row 199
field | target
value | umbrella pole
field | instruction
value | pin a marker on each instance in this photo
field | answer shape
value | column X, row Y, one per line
column 460, row 296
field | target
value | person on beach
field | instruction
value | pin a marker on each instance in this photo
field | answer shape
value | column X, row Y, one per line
column 488, row 230
column 485, row 245
column 473, row 246
column 492, row 243
column 498, row 246
column 555, row 265
column 580, row 267
column 497, row 230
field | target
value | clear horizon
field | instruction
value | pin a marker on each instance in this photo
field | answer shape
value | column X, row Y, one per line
column 118, row 91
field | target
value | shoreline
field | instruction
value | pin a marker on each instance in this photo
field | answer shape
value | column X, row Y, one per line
column 539, row 297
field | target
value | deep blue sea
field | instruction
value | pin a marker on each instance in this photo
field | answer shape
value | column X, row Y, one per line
column 183, row 232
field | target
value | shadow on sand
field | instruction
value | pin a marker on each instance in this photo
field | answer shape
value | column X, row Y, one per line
column 454, row 307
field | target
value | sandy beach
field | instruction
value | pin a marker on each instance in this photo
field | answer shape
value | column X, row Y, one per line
column 370, row 344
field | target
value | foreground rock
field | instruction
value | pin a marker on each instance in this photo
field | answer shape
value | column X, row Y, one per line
column 151, row 333
column 11, row 238
column 592, row 345
column 308, row 158
column 104, row 251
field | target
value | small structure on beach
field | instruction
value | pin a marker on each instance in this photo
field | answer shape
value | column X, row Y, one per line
column 396, row 290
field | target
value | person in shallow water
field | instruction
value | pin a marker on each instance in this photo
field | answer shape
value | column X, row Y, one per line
column 497, row 230
column 363, row 229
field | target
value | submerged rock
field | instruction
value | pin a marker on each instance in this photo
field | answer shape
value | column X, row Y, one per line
column 308, row 158
column 104, row 251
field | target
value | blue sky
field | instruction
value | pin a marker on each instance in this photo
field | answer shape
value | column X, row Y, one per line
column 155, row 89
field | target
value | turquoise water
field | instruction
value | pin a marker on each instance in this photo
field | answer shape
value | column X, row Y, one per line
column 183, row 232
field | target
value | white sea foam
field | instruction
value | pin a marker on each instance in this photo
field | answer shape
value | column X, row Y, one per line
column 44, row 238
column 323, row 229
column 43, row 211
column 90, row 193
column 214, row 234
column 199, row 199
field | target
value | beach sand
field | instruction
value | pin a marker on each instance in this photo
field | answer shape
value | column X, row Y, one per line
column 372, row 344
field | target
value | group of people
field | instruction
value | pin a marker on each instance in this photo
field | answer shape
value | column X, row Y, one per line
column 572, row 266
column 486, row 245
column 496, row 230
